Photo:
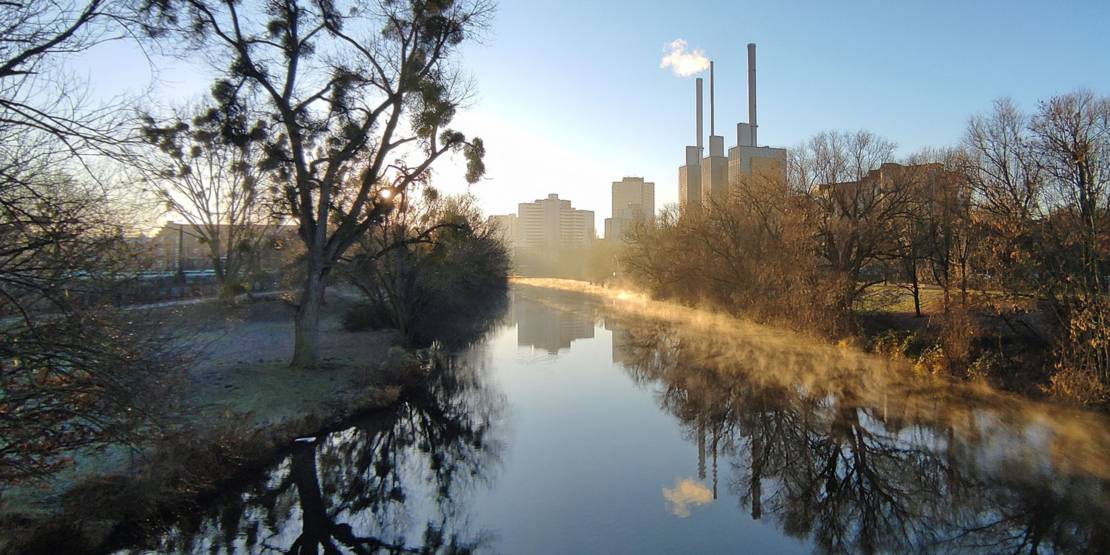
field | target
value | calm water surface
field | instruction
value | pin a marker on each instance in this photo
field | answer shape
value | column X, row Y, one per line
column 581, row 426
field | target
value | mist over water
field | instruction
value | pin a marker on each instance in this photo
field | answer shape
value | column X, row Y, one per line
column 608, row 423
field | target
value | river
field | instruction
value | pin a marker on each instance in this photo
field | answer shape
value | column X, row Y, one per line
column 587, row 424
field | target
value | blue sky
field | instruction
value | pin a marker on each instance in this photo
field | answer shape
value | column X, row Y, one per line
column 571, row 96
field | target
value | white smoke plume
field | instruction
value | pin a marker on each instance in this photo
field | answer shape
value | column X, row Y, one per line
column 682, row 62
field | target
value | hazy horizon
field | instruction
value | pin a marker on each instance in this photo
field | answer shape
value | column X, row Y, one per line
column 571, row 97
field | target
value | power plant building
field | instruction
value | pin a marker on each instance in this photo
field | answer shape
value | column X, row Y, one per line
column 702, row 178
column 714, row 168
column 689, row 174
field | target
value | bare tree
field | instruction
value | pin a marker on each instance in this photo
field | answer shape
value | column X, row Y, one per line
column 1071, row 137
column 1007, row 187
column 1001, row 167
column 655, row 254
column 37, row 93
column 941, row 198
column 1008, row 205
column 856, row 206
column 214, row 185
column 750, row 251
column 909, row 245
column 357, row 97
column 74, row 372
column 1042, row 185
column 1072, row 140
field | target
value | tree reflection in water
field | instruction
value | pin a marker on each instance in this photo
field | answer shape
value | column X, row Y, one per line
column 389, row 484
column 855, row 459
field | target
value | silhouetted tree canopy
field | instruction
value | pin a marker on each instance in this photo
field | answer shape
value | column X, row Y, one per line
column 355, row 98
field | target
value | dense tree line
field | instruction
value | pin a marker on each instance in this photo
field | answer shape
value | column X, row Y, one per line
column 1012, row 226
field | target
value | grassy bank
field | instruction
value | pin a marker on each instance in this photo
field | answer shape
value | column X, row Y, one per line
column 989, row 338
column 237, row 407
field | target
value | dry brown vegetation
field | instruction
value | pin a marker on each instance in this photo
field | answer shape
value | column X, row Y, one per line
column 1011, row 230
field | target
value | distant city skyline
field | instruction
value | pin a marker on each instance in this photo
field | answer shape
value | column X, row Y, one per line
column 572, row 106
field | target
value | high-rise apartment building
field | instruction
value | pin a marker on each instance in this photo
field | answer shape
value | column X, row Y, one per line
column 633, row 200
column 552, row 223
column 506, row 227
column 636, row 194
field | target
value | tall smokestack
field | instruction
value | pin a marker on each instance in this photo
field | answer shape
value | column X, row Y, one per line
column 751, row 91
column 699, row 115
column 712, row 116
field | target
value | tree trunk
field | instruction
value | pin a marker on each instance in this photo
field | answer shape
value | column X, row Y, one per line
column 915, row 283
column 306, row 339
column 916, row 295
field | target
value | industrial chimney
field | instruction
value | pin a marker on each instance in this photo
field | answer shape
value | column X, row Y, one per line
column 751, row 91
column 698, row 125
column 712, row 116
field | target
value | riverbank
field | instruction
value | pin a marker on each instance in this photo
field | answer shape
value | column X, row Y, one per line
column 235, row 408
column 963, row 347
